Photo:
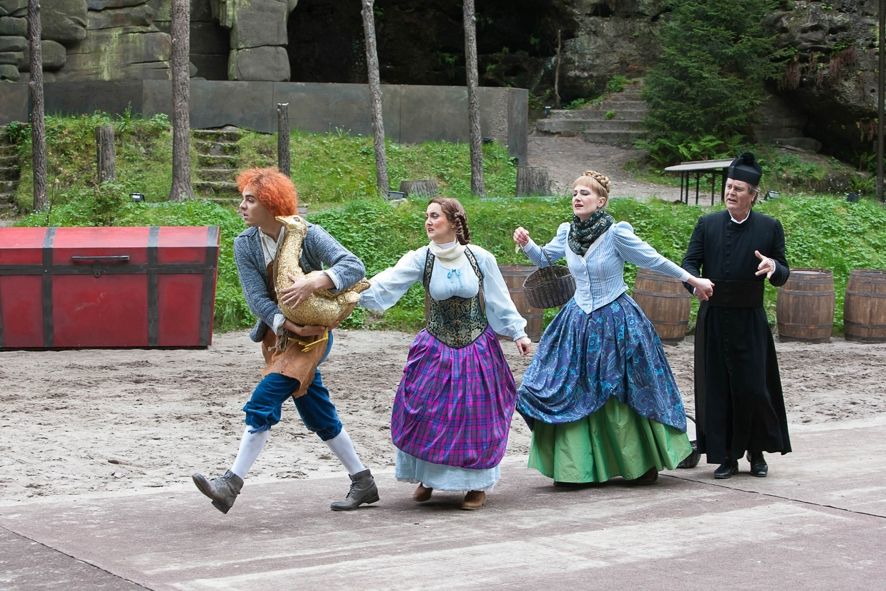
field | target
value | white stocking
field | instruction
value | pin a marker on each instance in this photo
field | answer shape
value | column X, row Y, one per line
column 250, row 447
column 343, row 448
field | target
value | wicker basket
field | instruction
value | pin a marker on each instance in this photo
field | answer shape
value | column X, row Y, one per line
column 549, row 287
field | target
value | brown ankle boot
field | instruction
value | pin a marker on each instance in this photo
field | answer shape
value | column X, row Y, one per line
column 422, row 493
column 363, row 490
column 222, row 490
column 475, row 499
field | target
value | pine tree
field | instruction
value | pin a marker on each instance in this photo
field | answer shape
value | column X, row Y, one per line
column 705, row 90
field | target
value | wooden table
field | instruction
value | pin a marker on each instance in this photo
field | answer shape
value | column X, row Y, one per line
column 700, row 168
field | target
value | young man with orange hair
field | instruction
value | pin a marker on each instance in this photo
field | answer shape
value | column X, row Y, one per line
column 292, row 363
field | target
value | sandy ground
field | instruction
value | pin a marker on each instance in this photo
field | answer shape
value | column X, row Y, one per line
column 87, row 421
column 566, row 158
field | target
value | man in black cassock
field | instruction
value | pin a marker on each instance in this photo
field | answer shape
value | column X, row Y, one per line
column 738, row 399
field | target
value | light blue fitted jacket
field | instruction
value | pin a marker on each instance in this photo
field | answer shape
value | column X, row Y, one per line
column 599, row 274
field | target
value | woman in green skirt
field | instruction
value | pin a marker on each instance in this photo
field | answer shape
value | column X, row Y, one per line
column 599, row 394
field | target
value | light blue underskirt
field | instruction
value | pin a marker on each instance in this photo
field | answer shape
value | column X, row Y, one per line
column 445, row 478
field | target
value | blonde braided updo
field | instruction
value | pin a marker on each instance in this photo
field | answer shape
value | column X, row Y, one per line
column 596, row 181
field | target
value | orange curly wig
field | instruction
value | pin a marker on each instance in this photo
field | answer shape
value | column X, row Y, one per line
column 272, row 188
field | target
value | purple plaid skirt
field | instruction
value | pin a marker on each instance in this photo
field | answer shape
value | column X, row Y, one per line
column 454, row 406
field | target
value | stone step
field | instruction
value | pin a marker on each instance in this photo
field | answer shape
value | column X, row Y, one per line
column 210, row 188
column 7, row 186
column 215, row 174
column 9, row 173
column 217, row 135
column 597, row 114
column 7, row 197
column 217, row 161
column 807, row 144
column 215, row 148
column 573, row 127
column 8, row 150
column 631, row 92
column 8, row 159
column 612, row 138
column 614, row 103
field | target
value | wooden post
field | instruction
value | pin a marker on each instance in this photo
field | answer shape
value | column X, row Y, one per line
column 532, row 180
column 105, row 158
column 38, row 123
column 284, row 161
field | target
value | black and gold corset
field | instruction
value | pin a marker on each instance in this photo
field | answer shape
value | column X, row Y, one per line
column 455, row 321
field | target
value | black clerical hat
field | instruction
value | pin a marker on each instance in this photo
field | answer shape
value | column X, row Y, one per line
column 745, row 168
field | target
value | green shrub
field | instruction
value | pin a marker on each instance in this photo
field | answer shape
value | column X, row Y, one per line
column 821, row 232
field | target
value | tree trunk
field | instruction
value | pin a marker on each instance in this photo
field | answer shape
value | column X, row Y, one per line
column 104, row 153
column 378, row 124
column 284, row 160
column 38, row 124
column 470, row 24
column 181, row 99
column 557, row 69
column 532, row 180
column 422, row 188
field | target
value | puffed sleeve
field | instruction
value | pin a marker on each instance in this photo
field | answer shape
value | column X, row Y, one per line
column 638, row 252
column 388, row 287
column 500, row 310
column 694, row 257
column 555, row 249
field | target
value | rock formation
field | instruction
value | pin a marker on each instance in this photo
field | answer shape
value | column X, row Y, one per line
column 830, row 82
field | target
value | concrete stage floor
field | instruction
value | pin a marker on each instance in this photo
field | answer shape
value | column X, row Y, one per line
column 817, row 522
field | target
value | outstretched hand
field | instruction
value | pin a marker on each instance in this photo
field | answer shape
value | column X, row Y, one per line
column 766, row 265
column 524, row 346
column 521, row 236
column 704, row 288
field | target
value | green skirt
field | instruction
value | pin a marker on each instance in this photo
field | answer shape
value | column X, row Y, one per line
column 614, row 441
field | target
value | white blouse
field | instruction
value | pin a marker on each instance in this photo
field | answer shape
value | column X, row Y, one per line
column 458, row 280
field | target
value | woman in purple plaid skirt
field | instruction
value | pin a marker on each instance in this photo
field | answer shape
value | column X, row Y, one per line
column 599, row 394
column 453, row 408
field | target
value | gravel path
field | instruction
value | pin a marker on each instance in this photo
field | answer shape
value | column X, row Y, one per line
column 567, row 157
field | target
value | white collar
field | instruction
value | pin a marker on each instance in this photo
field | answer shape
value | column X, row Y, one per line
column 451, row 252
column 270, row 246
column 742, row 221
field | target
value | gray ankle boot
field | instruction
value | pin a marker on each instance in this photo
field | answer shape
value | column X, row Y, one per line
column 363, row 490
column 222, row 490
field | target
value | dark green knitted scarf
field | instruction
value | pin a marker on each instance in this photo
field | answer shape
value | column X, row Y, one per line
column 583, row 233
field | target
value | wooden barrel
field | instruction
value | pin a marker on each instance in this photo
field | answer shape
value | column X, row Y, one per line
column 864, row 308
column 514, row 276
column 666, row 303
column 804, row 309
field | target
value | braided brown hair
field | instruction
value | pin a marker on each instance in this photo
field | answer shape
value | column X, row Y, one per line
column 596, row 181
column 456, row 216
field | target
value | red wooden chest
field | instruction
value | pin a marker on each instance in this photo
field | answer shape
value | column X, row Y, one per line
column 107, row 287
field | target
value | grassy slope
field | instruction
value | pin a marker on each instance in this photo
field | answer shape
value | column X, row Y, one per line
column 335, row 176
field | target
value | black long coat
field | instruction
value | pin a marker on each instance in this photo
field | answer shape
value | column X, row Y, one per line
column 738, row 397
